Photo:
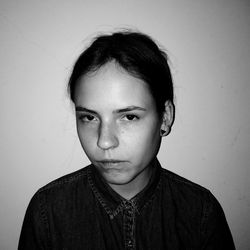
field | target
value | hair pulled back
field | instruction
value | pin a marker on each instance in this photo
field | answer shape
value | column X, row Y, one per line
column 137, row 53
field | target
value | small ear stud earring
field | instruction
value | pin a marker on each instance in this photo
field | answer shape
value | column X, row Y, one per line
column 163, row 132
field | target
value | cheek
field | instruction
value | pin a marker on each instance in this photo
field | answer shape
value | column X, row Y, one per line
column 87, row 137
column 143, row 138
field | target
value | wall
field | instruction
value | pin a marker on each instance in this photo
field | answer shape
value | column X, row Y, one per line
column 208, row 44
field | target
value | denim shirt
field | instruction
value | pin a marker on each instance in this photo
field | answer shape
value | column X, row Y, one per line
column 80, row 211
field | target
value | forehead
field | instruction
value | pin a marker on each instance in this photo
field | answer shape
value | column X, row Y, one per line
column 111, row 85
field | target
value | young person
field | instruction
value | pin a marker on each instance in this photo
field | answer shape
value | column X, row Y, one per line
column 122, row 90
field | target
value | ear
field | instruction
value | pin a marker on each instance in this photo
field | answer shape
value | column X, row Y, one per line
column 167, row 118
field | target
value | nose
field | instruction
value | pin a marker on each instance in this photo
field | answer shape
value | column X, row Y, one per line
column 107, row 138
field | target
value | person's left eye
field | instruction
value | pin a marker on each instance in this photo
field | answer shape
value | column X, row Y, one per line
column 131, row 117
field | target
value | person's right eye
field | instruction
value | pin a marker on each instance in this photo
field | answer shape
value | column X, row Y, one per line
column 87, row 118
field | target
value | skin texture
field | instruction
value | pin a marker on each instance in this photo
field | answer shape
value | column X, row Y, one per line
column 118, row 127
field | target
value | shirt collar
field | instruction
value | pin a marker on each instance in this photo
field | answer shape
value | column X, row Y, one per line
column 112, row 202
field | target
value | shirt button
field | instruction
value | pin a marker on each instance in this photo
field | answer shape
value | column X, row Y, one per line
column 128, row 212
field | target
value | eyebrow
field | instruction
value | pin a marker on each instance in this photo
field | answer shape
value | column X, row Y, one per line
column 82, row 109
column 123, row 110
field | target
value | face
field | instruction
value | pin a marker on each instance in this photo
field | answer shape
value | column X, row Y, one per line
column 117, row 124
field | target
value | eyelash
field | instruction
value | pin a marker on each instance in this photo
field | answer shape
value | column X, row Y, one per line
column 86, row 118
column 134, row 117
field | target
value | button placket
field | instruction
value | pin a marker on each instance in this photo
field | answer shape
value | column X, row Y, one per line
column 129, row 225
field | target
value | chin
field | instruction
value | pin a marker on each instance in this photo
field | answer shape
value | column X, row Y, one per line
column 117, row 179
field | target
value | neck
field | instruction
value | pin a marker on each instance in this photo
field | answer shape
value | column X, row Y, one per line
column 136, row 185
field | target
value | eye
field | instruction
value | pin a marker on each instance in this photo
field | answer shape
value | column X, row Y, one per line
column 130, row 117
column 87, row 118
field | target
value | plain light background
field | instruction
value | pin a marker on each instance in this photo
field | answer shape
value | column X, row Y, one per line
column 209, row 48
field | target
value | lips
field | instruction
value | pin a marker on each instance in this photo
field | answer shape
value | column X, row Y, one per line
column 111, row 163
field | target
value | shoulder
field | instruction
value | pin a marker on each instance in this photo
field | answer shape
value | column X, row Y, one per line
column 197, row 207
column 63, row 189
column 66, row 180
column 180, row 184
column 179, row 181
column 187, row 194
column 54, row 200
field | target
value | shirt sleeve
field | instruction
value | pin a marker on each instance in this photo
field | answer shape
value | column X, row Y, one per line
column 34, row 230
column 214, row 229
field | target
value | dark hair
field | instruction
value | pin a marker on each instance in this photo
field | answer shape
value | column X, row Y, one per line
column 137, row 53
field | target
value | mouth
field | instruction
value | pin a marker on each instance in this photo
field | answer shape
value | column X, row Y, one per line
column 111, row 163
